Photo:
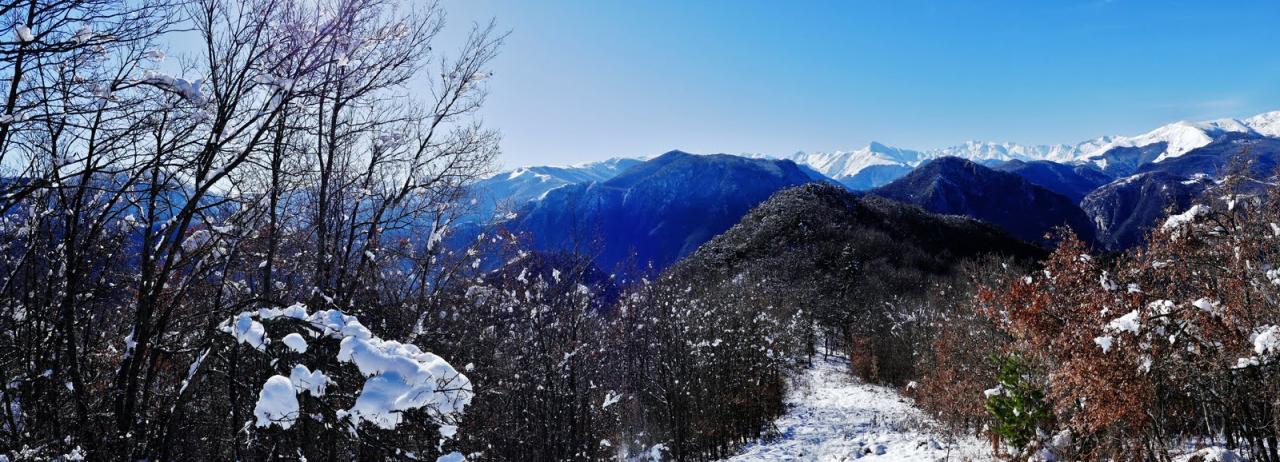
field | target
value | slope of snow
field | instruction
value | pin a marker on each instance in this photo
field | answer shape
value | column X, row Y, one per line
column 1266, row 124
column 834, row 417
column 840, row 164
column 1181, row 136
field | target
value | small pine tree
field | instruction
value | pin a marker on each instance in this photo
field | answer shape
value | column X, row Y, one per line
column 1016, row 405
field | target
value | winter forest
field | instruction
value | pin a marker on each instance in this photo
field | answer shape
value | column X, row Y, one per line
column 292, row 238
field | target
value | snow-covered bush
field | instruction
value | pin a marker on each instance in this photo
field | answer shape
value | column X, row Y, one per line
column 396, row 378
column 1187, row 347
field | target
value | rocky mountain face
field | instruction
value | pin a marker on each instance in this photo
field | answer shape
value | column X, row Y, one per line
column 1124, row 211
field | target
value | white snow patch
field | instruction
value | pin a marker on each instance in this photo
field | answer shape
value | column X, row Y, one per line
column 1208, row 306
column 1267, row 340
column 832, row 416
column 1104, row 342
column 1183, row 218
column 304, row 379
column 611, row 398
column 24, row 33
column 1211, row 454
column 295, row 342
column 1127, row 323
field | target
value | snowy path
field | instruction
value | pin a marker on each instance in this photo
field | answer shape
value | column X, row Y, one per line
column 833, row 417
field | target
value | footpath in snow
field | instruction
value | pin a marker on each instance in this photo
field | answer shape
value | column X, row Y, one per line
column 833, row 417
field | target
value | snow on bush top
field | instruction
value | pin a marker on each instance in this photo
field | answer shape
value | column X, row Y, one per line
column 1127, row 323
column 399, row 377
column 1174, row 222
column 276, row 403
column 1267, row 340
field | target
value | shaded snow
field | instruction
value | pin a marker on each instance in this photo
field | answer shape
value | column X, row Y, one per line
column 834, row 417
column 245, row 330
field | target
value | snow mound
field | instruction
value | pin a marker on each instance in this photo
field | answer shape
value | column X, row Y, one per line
column 247, row 330
column 277, row 403
column 1267, row 340
column 295, row 342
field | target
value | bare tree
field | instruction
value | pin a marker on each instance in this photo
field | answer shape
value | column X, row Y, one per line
column 288, row 157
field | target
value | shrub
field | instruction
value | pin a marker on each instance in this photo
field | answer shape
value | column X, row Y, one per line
column 1017, row 405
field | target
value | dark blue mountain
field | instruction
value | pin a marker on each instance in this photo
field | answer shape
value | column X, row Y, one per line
column 1125, row 210
column 1214, row 159
column 955, row 186
column 659, row 210
column 1072, row 181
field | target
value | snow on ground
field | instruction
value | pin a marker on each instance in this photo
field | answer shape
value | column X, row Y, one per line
column 834, row 417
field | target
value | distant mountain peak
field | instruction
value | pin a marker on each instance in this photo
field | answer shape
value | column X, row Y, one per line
column 876, row 146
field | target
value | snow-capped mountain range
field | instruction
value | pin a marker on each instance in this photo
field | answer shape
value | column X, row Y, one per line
column 1179, row 138
column 877, row 164
column 845, row 164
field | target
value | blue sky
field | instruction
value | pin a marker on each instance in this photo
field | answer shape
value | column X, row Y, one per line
column 588, row 80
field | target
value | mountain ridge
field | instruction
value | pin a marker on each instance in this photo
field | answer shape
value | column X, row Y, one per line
column 657, row 211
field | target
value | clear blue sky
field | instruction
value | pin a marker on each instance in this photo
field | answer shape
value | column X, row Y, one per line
column 587, row 80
